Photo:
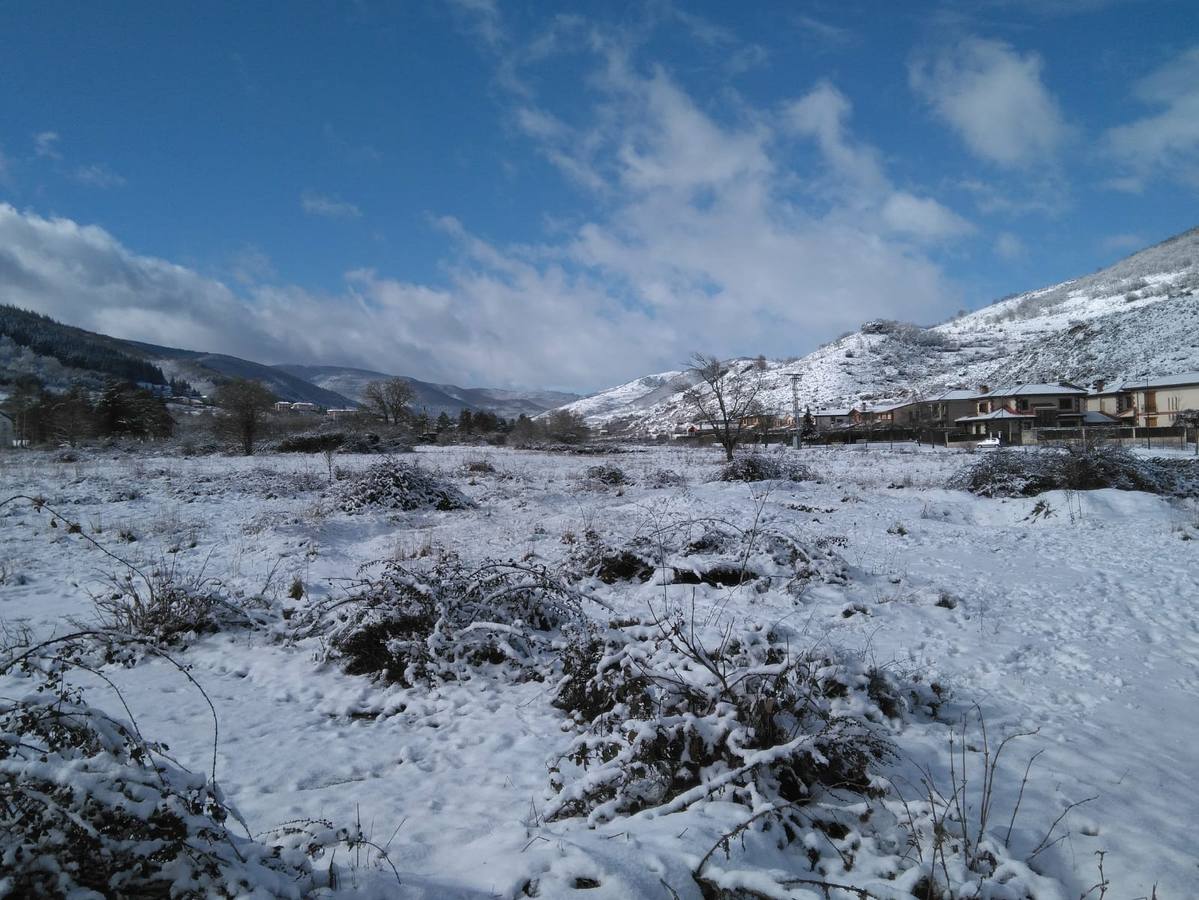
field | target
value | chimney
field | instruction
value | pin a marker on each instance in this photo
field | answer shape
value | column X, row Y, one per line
column 984, row 389
column 1099, row 384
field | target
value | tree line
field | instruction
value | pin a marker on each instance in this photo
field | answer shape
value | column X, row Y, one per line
column 244, row 412
column 120, row 409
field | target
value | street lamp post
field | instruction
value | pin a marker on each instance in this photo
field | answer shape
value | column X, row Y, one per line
column 795, row 410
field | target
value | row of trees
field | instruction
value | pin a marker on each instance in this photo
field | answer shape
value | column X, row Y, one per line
column 245, row 407
column 393, row 401
column 119, row 410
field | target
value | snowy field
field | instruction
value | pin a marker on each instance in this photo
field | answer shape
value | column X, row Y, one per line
column 1073, row 615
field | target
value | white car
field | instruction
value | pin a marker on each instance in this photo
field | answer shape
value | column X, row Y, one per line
column 991, row 443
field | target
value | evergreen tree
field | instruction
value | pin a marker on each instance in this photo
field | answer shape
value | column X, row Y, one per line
column 808, row 430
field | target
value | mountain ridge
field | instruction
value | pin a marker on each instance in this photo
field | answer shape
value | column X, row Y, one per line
column 61, row 354
column 350, row 382
column 1138, row 316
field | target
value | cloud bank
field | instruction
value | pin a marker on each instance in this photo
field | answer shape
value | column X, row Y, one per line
column 706, row 232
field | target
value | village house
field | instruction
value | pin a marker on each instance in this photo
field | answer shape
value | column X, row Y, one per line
column 1008, row 412
column 1151, row 402
column 888, row 415
column 834, row 419
column 944, row 409
column 1105, row 397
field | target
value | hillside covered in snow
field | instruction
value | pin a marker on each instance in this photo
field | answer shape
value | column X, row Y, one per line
column 1137, row 317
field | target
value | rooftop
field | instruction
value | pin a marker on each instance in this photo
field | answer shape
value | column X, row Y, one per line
column 1036, row 390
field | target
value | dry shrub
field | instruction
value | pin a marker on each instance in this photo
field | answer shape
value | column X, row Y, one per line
column 1011, row 473
column 311, row 442
column 592, row 557
column 664, row 478
column 408, row 627
column 760, row 467
column 168, row 606
column 90, row 808
column 608, row 474
column 668, row 719
column 391, row 484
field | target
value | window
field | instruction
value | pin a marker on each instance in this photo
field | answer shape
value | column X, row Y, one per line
column 1022, row 403
column 1065, row 403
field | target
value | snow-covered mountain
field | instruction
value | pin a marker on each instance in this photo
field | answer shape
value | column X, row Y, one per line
column 436, row 398
column 1137, row 317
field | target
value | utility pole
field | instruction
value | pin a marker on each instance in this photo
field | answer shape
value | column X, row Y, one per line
column 795, row 410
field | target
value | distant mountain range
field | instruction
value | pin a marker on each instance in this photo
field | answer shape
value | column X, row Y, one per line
column 61, row 354
column 351, row 383
column 1137, row 317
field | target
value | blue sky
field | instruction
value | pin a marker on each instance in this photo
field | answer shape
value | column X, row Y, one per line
column 542, row 194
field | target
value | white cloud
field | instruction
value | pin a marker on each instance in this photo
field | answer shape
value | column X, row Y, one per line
column 84, row 276
column 701, row 241
column 251, row 265
column 1045, row 194
column 1009, row 246
column 923, row 217
column 45, row 144
column 1167, row 142
column 483, row 17
column 995, row 99
column 330, row 207
column 825, row 32
column 98, row 175
column 858, row 180
column 822, row 114
column 1123, row 242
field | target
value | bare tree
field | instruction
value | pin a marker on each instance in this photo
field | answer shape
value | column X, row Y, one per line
column 244, row 405
column 391, row 400
column 566, row 426
column 723, row 399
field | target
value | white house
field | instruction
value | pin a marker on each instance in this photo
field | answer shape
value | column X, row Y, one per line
column 1156, row 401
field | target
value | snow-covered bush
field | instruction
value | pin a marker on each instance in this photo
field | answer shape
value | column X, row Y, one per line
column 593, row 557
column 391, row 484
column 760, row 467
column 90, row 808
column 369, row 442
column 664, row 478
column 408, row 627
column 1009, row 473
column 607, row 474
column 311, row 442
column 668, row 720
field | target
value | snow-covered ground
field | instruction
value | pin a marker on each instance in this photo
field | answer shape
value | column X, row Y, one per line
column 1078, row 619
